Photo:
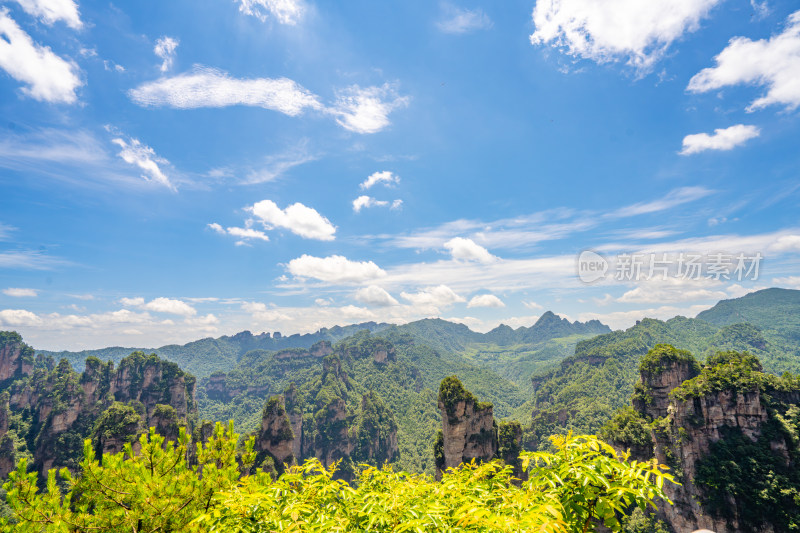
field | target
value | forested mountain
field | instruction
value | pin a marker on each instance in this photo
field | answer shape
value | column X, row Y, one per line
column 47, row 409
column 728, row 431
column 590, row 385
column 206, row 356
column 403, row 372
column 366, row 393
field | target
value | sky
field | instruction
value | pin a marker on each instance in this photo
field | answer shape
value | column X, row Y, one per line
column 184, row 169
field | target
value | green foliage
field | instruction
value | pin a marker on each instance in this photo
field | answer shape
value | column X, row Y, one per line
column 152, row 489
column 640, row 522
column 733, row 371
column 588, row 387
column 452, row 392
column 747, row 480
column 586, row 482
column 657, row 359
column 121, row 422
column 628, row 427
column 375, row 427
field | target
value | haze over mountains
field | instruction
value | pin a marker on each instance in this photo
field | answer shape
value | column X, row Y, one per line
column 205, row 356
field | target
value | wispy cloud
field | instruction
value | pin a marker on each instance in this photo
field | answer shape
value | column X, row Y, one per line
column 30, row 260
column 21, row 293
column 458, row 20
column 366, row 110
column 133, row 152
column 276, row 165
column 165, row 49
column 674, row 198
column 208, row 87
column 529, row 230
column 361, row 110
column 288, row 12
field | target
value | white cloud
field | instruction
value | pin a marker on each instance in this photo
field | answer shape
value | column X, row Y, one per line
column 51, row 11
column 458, row 20
column 21, row 293
column 385, row 177
column 721, row 139
column 84, row 297
column 262, row 313
column 440, row 296
column 48, row 77
column 334, row 269
column 287, row 12
column 168, row 305
column 792, row 282
column 140, row 155
column 626, row 319
column 366, row 110
column 467, row 250
column 165, row 49
column 396, row 204
column 674, row 290
column 132, row 302
column 773, row 63
column 297, row 218
column 638, row 32
column 374, row 295
column 786, row 243
column 367, row 201
column 762, row 9
column 208, row 87
column 242, row 233
column 161, row 305
column 18, row 317
column 486, row 300
column 531, row 305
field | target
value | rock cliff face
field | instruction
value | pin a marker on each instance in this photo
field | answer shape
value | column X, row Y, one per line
column 275, row 437
column 16, row 357
column 329, row 421
column 469, row 430
column 689, row 413
column 59, row 408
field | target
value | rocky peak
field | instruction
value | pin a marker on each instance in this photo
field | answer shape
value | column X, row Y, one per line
column 275, row 438
column 728, row 403
column 468, row 427
column 662, row 369
column 16, row 357
column 59, row 408
column 321, row 349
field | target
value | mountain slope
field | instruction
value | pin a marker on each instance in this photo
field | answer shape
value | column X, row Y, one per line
column 598, row 379
column 401, row 370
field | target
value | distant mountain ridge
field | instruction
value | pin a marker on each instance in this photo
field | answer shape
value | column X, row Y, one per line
column 205, row 356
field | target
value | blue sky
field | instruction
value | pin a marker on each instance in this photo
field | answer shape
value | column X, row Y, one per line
column 174, row 170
